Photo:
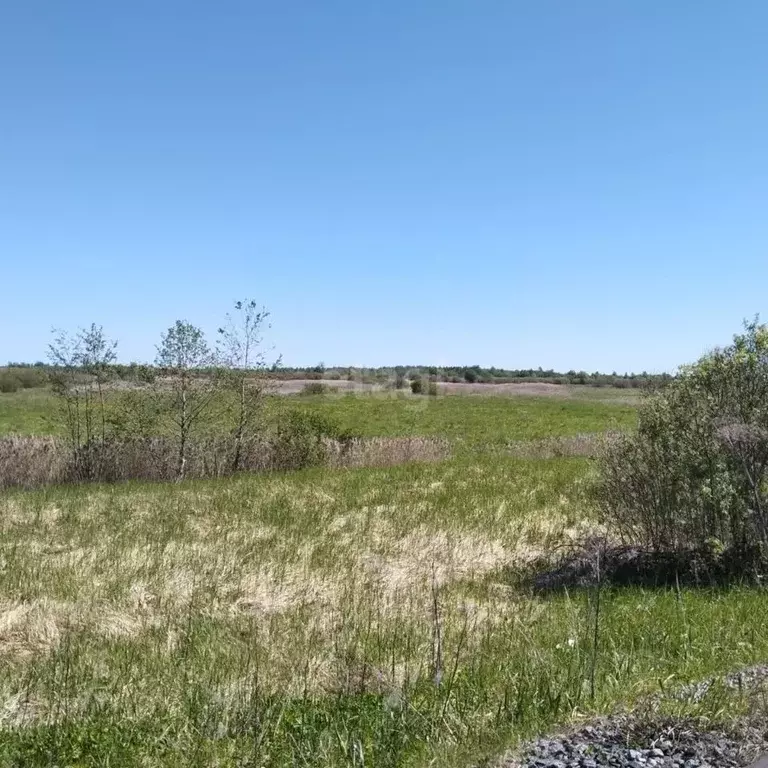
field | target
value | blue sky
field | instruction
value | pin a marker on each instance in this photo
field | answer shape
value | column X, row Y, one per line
column 565, row 184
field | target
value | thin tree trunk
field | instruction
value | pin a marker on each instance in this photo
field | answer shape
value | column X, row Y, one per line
column 183, row 427
column 103, row 415
column 241, row 425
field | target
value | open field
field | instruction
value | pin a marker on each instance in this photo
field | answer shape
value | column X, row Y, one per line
column 466, row 420
column 470, row 421
column 325, row 618
column 336, row 617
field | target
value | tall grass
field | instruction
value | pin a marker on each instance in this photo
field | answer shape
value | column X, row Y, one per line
column 324, row 618
column 34, row 462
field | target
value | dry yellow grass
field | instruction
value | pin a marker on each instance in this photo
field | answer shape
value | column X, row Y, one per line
column 122, row 561
column 330, row 608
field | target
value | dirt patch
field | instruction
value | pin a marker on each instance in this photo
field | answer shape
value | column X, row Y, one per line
column 295, row 386
column 537, row 389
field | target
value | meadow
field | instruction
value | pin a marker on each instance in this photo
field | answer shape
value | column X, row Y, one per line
column 468, row 420
column 336, row 617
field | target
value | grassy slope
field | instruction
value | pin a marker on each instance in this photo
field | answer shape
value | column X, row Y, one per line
column 290, row 619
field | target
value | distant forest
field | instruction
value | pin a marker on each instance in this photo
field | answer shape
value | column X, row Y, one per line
column 471, row 374
column 25, row 375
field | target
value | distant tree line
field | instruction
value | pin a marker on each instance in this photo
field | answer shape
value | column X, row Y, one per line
column 471, row 374
column 23, row 375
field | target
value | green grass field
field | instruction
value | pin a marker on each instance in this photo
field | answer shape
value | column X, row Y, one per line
column 472, row 420
column 324, row 618
column 469, row 420
column 333, row 617
column 27, row 412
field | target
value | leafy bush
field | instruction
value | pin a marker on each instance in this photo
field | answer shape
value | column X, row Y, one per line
column 28, row 377
column 695, row 474
column 314, row 388
column 422, row 386
column 301, row 440
column 9, row 383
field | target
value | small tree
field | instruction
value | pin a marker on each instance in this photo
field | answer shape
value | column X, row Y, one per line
column 182, row 356
column 423, row 386
column 79, row 373
column 245, row 366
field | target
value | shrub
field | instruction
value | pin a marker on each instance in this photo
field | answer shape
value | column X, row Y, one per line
column 15, row 377
column 301, row 440
column 422, row 386
column 9, row 383
column 314, row 388
column 31, row 378
column 694, row 474
column 35, row 462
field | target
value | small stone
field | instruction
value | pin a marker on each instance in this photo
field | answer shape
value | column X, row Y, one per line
column 656, row 752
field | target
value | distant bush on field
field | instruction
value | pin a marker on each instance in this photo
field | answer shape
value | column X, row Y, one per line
column 9, row 383
column 14, row 378
column 695, row 474
column 314, row 388
column 423, row 386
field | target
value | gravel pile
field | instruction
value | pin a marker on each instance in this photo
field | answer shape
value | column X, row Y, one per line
column 624, row 742
column 746, row 679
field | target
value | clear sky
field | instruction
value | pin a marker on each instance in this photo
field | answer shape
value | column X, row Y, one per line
column 565, row 184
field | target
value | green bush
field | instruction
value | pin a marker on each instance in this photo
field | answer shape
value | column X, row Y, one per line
column 314, row 388
column 695, row 474
column 423, row 386
column 300, row 439
column 9, row 383
column 30, row 378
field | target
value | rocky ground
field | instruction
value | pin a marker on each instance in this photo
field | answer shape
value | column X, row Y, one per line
column 622, row 743
column 654, row 741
